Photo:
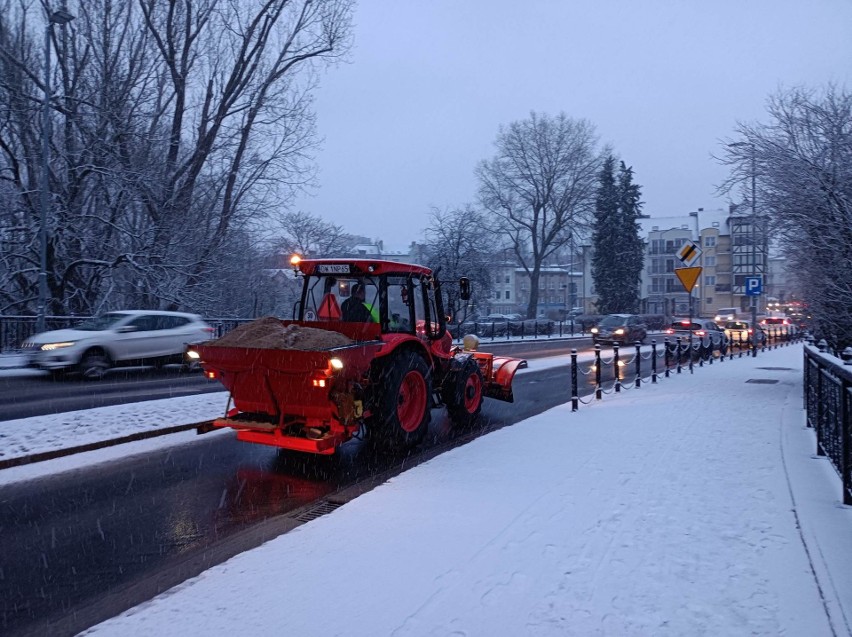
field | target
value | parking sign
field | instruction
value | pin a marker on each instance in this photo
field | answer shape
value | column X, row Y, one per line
column 753, row 285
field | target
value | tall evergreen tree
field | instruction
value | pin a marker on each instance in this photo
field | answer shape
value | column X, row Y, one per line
column 632, row 253
column 605, row 238
column 618, row 249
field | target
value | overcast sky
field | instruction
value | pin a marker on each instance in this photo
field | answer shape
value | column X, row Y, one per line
column 429, row 84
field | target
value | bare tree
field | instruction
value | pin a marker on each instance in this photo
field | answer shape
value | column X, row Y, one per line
column 802, row 162
column 539, row 187
column 458, row 244
column 176, row 124
column 310, row 235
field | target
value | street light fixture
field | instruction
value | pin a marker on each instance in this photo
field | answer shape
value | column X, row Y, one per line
column 61, row 17
column 753, row 224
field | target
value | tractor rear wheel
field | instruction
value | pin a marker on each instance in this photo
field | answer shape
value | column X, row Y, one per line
column 401, row 407
column 463, row 393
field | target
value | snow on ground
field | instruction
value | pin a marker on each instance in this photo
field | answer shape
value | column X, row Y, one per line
column 691, row 507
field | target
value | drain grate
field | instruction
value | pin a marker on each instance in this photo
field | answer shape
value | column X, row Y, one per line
column 318, row 511
column 777, row 369
column 762, row 381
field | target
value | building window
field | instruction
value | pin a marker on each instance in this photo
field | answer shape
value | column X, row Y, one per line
column 507, row 294
column 710, row 280
column 710, row 262
column 497, row 295
column 709, row 241
column 708, row 300
column 507, row 278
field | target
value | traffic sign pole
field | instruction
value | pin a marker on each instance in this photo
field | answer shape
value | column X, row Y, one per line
column 753, row 289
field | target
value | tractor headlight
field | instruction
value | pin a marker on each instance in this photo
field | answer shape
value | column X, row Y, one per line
column 193, row 354
column 336, row 364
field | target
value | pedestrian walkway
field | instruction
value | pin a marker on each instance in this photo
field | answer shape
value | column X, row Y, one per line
column 694, row 506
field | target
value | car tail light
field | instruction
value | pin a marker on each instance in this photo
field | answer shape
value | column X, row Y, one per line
column 684, row 322
column 700, row 333
column 211, row 374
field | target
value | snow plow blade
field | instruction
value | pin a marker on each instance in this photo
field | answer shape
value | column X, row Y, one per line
column 498, row 373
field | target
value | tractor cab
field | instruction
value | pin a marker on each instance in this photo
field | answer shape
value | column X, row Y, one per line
column 384, row 298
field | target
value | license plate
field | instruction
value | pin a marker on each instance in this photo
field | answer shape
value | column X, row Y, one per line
column 328, row 268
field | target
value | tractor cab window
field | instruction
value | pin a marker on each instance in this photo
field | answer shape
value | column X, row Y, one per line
column 401, row 305
column 327, row 298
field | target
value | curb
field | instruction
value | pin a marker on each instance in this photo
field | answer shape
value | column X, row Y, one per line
column 101, row 444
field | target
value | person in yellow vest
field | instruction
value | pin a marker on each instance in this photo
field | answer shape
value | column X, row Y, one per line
column 355, row 309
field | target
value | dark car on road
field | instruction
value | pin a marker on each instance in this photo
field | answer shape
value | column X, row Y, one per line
column 493, row 325
column 539, row 326
column 620, row 328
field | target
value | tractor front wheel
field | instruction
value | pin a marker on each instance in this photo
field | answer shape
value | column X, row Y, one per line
column 401, row 407
column 463, row 393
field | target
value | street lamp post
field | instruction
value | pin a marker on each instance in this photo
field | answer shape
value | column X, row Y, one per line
column 61, row 17
column 753, row 232
column 571, row 296
column 753, row 249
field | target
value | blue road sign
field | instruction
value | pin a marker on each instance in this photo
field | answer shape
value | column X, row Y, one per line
column 754, row 285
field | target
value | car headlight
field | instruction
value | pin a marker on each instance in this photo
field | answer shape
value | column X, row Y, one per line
column 619, row 331
column 49, row 347
column 594, row 330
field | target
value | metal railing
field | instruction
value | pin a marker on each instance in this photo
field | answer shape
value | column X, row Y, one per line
column 828, row 405
column 14, row 330
column 529, row 328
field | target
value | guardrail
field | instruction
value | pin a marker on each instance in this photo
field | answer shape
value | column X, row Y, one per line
column 15, row 329
column 529, row 328
column 828, row 405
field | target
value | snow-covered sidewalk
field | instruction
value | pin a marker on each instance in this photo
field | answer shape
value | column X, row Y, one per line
column 690, row 507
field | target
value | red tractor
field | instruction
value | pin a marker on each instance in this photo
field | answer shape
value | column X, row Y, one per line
column 368, row 346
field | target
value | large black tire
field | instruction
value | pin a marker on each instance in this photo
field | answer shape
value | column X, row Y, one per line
column 401, row 405
column 463, row 393
column 94, row 364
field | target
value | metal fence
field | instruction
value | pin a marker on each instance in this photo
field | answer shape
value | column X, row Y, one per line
column 508, row 330
column 828, row 403
column 15, row 329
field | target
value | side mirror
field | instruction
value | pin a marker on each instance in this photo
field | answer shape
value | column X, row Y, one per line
column 464, row 288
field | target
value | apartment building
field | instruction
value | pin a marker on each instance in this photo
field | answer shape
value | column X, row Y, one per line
column 732, row 249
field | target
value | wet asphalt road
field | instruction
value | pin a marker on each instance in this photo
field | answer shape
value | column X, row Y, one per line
column 80, row 547
column 37, row 393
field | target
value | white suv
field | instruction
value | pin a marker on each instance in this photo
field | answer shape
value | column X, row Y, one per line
column 131, row 336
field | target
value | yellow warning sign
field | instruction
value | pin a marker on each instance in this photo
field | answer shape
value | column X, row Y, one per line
column 688, row 276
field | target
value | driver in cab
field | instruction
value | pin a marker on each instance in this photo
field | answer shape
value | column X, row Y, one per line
column 355, row 308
